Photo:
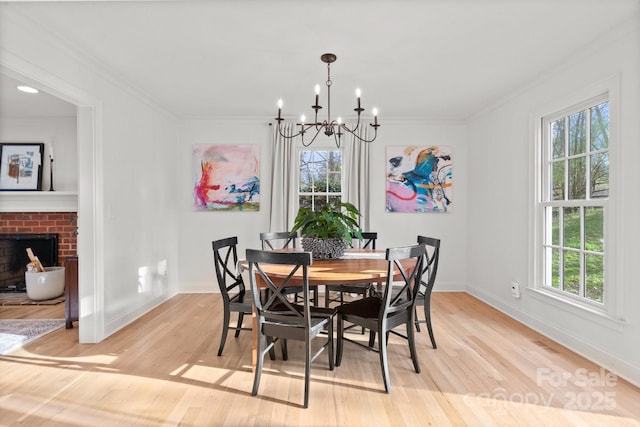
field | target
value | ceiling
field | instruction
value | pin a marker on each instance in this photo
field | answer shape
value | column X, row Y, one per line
column 430, row 59
column 17, row 104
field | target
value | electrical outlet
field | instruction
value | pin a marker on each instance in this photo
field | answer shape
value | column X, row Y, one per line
column 515, row 289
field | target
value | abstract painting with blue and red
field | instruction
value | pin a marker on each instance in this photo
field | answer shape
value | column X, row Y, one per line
column 226, row 177
column 418, row 179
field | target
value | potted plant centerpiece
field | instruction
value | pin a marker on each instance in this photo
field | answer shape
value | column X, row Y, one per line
column 328, row 231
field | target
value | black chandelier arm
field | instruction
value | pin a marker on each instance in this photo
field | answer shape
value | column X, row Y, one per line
column 309, row 126
column 300, row 132
column 358, row 137
column 355, row 129
column 334, row 129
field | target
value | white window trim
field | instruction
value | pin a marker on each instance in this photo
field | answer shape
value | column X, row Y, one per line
column 611, row 312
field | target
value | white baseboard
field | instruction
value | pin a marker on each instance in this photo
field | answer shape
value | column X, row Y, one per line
column 199, row 288
column 449, row 287
column 125, row 318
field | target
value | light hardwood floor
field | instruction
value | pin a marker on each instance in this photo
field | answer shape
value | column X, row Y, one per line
column 162, row 370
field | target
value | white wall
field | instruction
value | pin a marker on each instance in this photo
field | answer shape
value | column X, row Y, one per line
column 199, row 228
column 501, row 168
column 59, row 131
column 127, row 241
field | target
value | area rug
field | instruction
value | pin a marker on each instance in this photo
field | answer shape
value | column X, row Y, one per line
column 17, row 332
column 21, row 298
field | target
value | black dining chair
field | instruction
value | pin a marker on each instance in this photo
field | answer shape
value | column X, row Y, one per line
column 428, row 279
column 382, row 314
column 275, row 240
column 272, row 240
column 368, row 242
column 234, row 296
column 278, row 318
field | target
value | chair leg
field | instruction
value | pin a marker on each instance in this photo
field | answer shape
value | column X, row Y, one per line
column 330, row 343
column 363, row 295
column 307, row 371
column 259, row 363
column 283, row 346
column 427, row 316
column 411, row 337
column 240, row 319
column 417, row 321
column 225, row 329
column 372, row 338
column 340, row 341
column 272, row 348
column 382, row 351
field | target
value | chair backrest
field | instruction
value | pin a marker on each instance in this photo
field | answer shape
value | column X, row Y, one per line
column 368, row 240
column 273, row 240
column 399, row 294
column 225, row 260
column 276, row 307
column 429, row 263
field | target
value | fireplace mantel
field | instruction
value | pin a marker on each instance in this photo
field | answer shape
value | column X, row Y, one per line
column 38, row 201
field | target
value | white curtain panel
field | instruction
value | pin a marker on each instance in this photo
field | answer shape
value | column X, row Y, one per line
column 283, row 192
column 356, row 171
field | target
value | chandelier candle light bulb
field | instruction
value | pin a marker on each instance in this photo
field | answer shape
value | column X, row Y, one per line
column 330, row 127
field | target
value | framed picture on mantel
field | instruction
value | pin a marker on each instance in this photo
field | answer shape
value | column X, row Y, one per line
column 21, row 166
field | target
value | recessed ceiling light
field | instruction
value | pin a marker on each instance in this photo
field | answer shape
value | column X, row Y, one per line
column 27, row 89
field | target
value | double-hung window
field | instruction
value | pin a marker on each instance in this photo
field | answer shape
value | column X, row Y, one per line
column 574, row 202
column 320, row 179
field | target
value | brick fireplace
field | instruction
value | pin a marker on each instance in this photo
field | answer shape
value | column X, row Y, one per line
column 63, row 223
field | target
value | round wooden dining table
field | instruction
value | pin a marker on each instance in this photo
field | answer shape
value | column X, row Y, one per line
column 357, row 266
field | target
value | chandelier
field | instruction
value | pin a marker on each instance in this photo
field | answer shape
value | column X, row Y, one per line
column 330, row 127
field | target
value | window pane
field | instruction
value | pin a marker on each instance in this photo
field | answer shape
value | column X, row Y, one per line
column 577, row 178
column 334, row 199
column 599, row 175
column 319, row 202
column 577, row 133
column 594, row 229
column 571, row 228
column 334, row 183
column 594, row 277
column 600, row 127
column 306, row 182
column 555, row 226
column 557, row 174
column 557, row 139
column 555, row 268
column 306, row 171
column 305, row 201
column 335, row 161
column 571, row 280
column 321, row 184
